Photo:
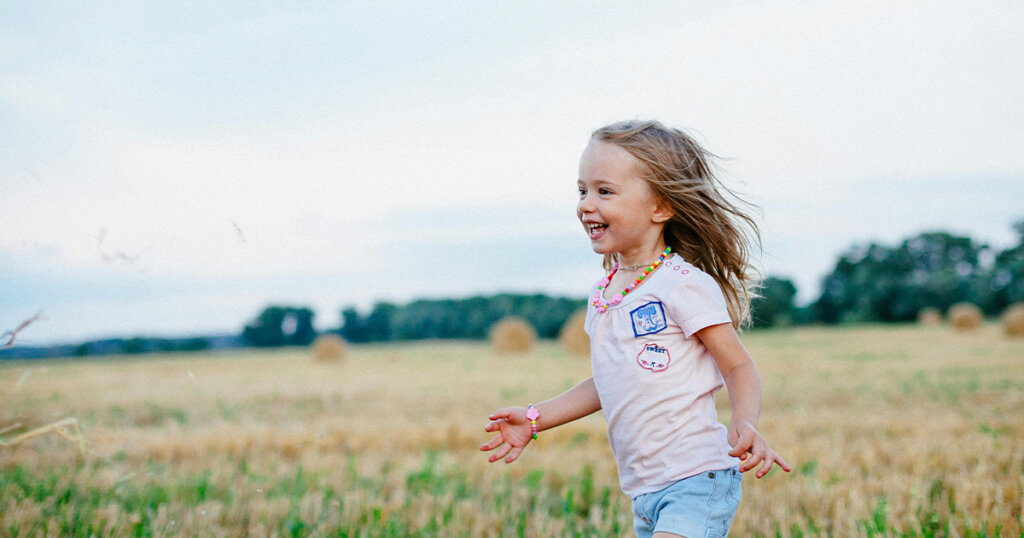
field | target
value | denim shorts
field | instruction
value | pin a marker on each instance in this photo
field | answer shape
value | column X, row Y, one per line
column 696, row 507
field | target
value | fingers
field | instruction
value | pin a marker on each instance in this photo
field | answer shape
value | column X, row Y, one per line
column 743, row 445
column 765, row 467
column 500, row 444
column 493, row 443
column 756, row 456
column 752, row 450
column 740, row 449
column 768, row 458
column 513, row 455
column 504, row 413
column 501, row 452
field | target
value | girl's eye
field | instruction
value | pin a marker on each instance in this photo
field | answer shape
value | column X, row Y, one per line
column 603, row 191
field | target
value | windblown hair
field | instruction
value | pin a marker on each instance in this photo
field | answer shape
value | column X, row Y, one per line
column 709, row 227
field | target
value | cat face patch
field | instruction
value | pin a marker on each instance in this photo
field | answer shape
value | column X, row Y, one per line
column 648, row 319
column 654, row 358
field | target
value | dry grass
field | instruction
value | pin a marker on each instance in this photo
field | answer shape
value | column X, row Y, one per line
column 906, row 425
column 13, row 333
column 66, row 428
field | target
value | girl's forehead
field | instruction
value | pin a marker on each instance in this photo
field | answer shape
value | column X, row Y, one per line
column 604, row 158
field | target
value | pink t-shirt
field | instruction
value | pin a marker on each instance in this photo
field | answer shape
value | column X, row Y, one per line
column 657, row 381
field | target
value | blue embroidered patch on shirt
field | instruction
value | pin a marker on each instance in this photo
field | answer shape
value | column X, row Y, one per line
column 648, row 319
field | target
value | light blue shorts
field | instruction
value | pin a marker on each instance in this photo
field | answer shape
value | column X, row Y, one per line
column 696, row 507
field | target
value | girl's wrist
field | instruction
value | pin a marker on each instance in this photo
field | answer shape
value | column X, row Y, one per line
column 532, row 414
column 744, row 423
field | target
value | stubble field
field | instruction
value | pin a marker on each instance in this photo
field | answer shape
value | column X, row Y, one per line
column 892, row 431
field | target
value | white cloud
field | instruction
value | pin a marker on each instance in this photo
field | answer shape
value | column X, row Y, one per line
column 327, row 136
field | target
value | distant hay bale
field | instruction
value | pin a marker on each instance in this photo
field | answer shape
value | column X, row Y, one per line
column 929, row 316
column 964, row 316
column 328, row 347
column 513, row 335
column 572, row 335
column 1013, row 320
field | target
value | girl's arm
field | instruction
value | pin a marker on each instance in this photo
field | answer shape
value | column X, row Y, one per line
column 744, row 386
column 514, row 428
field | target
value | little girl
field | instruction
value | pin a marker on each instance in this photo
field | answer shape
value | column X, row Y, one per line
column 662, row 333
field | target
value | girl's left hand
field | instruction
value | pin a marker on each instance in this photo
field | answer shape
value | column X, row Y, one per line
column 748, row 445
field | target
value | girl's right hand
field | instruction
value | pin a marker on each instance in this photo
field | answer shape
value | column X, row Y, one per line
column 514, row 434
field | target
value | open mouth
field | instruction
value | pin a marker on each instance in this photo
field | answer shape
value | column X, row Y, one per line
column 595, row 229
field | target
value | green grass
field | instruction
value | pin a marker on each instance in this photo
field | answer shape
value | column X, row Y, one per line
column 82, row 510
column 71, row 509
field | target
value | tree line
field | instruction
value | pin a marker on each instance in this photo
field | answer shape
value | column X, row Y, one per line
column 876, row 282
column 869, row 283
column 469, row 318
column 894, row 283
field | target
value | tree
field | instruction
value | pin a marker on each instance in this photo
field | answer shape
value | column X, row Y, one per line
column 353, row 328
column 1005, row 281
column 135, row 346
column 880, row 283
column 775, row 305
column 378, row 323
column 469, row 318
column 278, row 326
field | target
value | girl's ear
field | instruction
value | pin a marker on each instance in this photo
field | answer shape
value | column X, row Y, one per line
column 662, row 212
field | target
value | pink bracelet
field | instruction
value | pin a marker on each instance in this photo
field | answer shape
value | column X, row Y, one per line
column 533, row 414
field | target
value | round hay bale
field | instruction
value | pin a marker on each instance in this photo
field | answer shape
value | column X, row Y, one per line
column 328, row 347
column 1013, row 320
column 964, row 316
column 929, row 316
column 573, row 336
column 512, row 335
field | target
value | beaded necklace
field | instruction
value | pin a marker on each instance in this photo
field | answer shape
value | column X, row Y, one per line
column 601, row 305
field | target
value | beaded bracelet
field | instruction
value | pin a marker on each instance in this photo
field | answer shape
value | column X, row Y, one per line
column 533, row 414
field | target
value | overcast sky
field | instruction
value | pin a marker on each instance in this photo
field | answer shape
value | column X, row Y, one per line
column 170, row 168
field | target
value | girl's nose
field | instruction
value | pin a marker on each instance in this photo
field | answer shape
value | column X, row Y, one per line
column 585, row 205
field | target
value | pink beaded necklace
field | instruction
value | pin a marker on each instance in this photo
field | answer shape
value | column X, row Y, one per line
column 601, row 305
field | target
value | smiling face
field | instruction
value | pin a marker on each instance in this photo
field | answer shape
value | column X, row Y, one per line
column 620, row 212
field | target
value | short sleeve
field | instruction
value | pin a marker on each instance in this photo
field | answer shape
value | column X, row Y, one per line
column 697, row 302
column 589, row 319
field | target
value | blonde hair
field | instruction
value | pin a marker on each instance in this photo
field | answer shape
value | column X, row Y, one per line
column 709, row 227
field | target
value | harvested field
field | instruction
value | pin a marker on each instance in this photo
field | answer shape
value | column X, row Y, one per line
column 903, row 430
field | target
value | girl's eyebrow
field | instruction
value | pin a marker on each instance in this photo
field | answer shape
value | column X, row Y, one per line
column 598, row 181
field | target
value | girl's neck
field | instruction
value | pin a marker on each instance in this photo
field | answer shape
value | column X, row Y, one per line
column 640, row 258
